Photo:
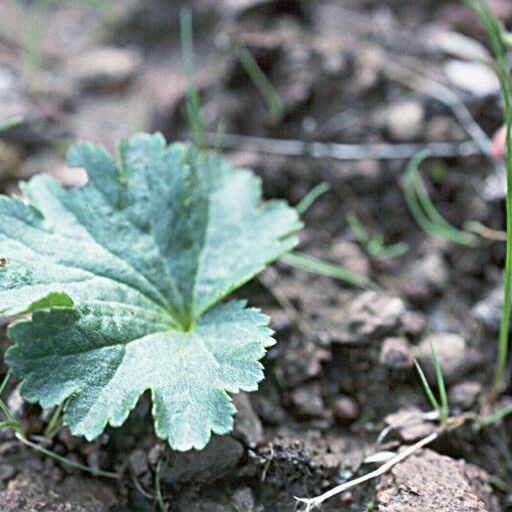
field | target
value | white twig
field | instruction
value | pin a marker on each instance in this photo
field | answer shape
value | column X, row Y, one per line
column 312, row 503
column 339, row 151
column 413, row 419
column 430, row 87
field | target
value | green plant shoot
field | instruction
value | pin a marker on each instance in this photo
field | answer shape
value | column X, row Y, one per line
column 125, row 278
column 423, row 210
column 495, row 33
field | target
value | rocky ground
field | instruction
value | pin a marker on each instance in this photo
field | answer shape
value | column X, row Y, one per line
column 362, row 72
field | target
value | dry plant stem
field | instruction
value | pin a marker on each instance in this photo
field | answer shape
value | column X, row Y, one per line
column 338, row 151
column 450, row 424
column 416, row 419
column 483, row 231
column 312, row 503
column 421, row 83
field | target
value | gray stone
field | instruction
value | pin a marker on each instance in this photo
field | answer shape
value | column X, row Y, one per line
column 243, row 500
column 410, row 424
column 455, row 357
column 396, row 354
column 28, row 493
column 247, row 423
column 139, row 462
column 220, row 455
column 105, row 68
column 488, row 310
column 464, row 394
column 350, row 256
column 346, row 409
column 426, row 276
column 371, row 315
column 307, row 401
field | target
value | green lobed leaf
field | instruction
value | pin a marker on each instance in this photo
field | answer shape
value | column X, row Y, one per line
column 124, row 277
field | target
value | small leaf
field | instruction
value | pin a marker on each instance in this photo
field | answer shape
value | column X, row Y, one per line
column 52, row 300
column 145, row 252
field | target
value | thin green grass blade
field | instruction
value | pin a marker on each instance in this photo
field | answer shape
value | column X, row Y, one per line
column 11, row 123
column 4, row 383
column 494, row 32
column 158, row 486
column 55, row 421
column 374, row 244
column 441, row 386
column 496, row 416
column 391, row 251
column 307, row 201
column 317, row 266
column 10, row 424
column 3, row 405
column 410, row 194
column 260, row 80
column 64, row 460
column 7, row 412
column 428, row 390
column 193, row 104
column 357, row 228
column 443, row 227
column 423, row 209
column 219, row 137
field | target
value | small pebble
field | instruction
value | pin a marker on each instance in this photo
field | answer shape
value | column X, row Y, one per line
column 453, row 352
column 405, row 120
column 107, row 68
column 396, row 354
column 307, row 401
column 346, row 409
column 464, row 394
column 139, row 462
column 413, row 322
column 155, row 453
column 243, row 500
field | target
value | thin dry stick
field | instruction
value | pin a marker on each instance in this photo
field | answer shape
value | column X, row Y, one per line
column 312, row 503
column 485, row 232
column 414, row 419
column 421, row 83
column 339, row 151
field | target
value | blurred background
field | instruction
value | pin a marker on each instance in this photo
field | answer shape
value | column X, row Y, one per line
column 99, row 70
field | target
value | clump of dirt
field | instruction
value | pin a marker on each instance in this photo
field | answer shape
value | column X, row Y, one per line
column 29, row 492
column 429, row 481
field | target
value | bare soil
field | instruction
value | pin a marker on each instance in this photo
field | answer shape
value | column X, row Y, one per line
column 348, row 71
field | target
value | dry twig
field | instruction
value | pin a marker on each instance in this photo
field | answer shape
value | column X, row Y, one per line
column 340, row 151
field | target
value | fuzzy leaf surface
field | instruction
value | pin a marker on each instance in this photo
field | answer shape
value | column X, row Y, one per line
column 124, row 278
